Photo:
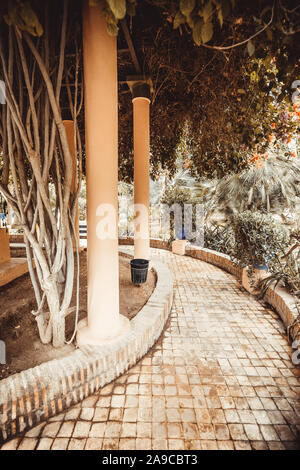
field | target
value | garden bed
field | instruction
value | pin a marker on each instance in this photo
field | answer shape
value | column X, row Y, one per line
column 18, row 327
column 35, row 395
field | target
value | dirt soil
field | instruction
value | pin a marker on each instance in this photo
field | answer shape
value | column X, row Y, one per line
column 18, row 326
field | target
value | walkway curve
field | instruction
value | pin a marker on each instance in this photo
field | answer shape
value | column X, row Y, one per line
column 220, row 377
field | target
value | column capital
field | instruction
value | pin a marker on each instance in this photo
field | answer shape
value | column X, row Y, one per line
column 141, row 90
column 140, row 87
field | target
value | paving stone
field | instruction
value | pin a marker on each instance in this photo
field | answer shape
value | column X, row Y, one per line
column 59, row 417
column 143, row 444
column 101, row 414
column 127, row 444
column 112, row 430
column 60, row 443
column 87, row 414
column 221, row 432
column 66, row 429
column 36, row 431
column 225, row 445
column 159, row 444
column 81, row 429
column 76, row 444
column 11, row 445
column 45, row 443
column 176, row 444
column 252, row 432
column 97, row 430
column 237, row 432
column 242, row 445
column 72, row 414
column 28, row 443
column 51, row 430
column 276, row 445
column 89, row 402
column 174, row 431
column 259, row 445
column 209, row 445
column 285, row 433
column 269, row 433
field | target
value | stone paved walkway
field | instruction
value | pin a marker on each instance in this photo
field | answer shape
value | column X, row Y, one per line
column 220, row 377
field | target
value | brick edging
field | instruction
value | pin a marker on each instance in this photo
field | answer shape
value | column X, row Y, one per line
column 34, row 395
column 216, row 258
column 282, row 301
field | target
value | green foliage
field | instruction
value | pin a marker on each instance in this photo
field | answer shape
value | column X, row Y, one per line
column 223, row 105
column 176, row 195
column 179, row 19
column 114, row 11
column 118, row 7
column 274, row 185
column 201, row 16
column 207, row 32
column 286, row 268
column 219, row 238
column 21, row 15
column 249, row 109
column 258, row 239
column 187, row 6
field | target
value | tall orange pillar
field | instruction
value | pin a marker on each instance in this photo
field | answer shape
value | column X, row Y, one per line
column 69, row 127
column 141, row 143
column 104, row 323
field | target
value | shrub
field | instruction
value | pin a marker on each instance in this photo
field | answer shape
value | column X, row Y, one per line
column 219, row 238
column 286, row 269
column 258, row 239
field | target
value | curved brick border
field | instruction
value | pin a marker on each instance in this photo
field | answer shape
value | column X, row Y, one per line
column 216, row 258
column 281, row 300
column 36, row 394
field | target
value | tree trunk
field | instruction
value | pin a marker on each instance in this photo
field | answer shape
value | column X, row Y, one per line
column 58, row 330
column 57, row 317
column 34, row 150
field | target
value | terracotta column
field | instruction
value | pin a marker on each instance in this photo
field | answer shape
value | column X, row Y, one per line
column 141, row 142
column 101, row 126
column 69, row 127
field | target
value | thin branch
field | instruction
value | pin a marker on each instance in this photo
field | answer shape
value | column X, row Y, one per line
column 226, row 48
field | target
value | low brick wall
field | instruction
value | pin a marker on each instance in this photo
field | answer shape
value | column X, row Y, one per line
column 282, row 301
column 285, row 304
column 17, row 251
column 16, row 238
column 36, row 394
column 154, row 243
column 214, row 257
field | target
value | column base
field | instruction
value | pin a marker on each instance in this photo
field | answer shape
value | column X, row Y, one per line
column 87, row 337
column 142, row 251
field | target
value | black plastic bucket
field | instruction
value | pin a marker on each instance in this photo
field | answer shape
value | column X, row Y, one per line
column 139, row 270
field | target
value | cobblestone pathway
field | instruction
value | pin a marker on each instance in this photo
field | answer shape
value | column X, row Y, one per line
column 220, row 377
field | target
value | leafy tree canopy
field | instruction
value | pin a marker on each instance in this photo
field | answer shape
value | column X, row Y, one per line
column 223, row 74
